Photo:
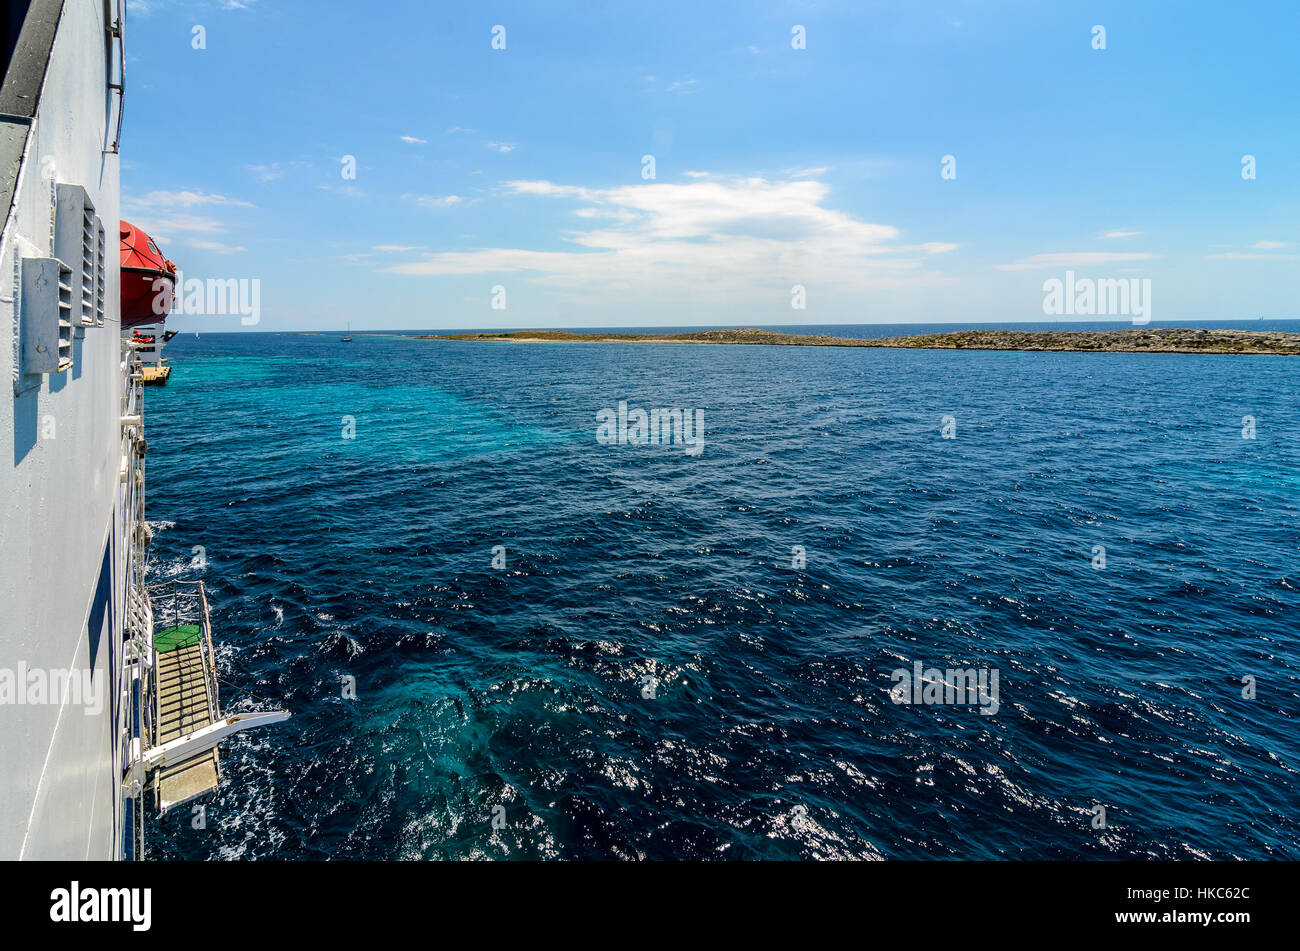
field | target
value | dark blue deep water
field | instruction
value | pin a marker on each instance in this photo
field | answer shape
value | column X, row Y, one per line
column 650, row 677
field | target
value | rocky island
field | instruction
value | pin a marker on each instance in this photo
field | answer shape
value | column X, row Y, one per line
column 1128, row 340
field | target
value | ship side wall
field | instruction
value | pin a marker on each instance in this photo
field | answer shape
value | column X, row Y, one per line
column 62, row 582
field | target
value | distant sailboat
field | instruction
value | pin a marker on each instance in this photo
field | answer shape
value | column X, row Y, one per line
column 347, row 337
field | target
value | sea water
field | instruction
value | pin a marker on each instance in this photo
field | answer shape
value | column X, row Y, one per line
column 502, row 637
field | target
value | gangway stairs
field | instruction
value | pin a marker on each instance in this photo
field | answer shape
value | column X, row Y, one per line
column 187, row 717
column 183, row 707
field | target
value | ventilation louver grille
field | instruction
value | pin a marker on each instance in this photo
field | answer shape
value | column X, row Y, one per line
column 78, row 242
column 101, row 275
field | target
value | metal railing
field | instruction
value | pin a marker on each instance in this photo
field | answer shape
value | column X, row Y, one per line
column 136, row 720
column 186, row 602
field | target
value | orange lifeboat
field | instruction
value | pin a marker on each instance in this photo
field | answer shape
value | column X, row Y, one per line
column 148, row 279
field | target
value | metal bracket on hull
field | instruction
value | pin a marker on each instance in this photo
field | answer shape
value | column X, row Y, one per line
column 114, row 31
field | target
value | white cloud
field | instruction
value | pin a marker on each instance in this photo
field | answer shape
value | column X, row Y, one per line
column 1121, row 234
column 413, row 140
column 719, row 236
column 271, row 171
column 1259, row 251
column 144, row 8
column 160, row 227
column 185, row 199
column 163, row 214
column 1245, row 256
column 266, row 173
column 433, row 201
column 618, row 214
column 501, row 146
column 394, row 247
column 216, row 246
column 1075, row 259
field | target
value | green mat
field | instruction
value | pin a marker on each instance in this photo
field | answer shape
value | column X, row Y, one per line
column 183, row 635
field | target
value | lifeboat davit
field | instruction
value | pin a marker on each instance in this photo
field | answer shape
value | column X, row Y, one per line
column 148, row 279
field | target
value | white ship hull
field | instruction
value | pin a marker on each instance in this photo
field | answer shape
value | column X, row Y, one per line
column 63, row 545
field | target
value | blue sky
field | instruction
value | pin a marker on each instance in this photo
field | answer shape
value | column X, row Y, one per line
column 523, row 167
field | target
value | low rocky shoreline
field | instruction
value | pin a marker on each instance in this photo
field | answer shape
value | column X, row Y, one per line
column 1129, row 340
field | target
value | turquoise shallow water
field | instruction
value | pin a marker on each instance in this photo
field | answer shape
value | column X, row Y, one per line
column 650, row 677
